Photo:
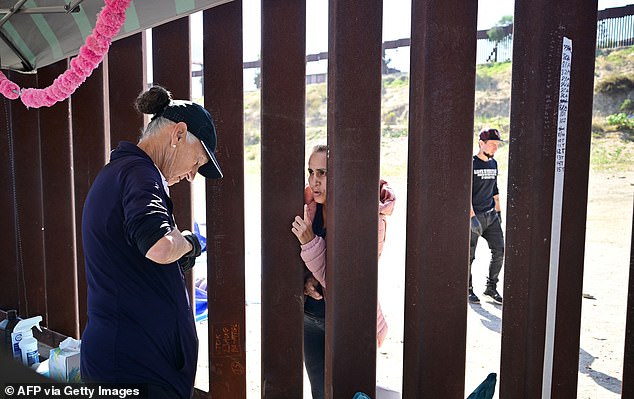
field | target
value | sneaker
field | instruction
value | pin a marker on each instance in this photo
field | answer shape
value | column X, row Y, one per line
column 494, row 295
column 473, row 298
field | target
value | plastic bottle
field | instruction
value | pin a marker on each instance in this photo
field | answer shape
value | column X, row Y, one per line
column 23, row 343
column 6, row 328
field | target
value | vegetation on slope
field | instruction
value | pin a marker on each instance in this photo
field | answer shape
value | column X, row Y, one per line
column 613, row 121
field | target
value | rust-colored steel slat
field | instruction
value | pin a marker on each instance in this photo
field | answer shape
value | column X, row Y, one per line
column 627, row 387
column 8, row 235
column 172, row 70
column 59, row 210
column 171, row 57
column 127, row 76
column 580, row 27
column 25, row 125
column 354, row 137
column 551, row 109
column 89, row 117
column 438, row 197
column 223, row 89
column 282, row 150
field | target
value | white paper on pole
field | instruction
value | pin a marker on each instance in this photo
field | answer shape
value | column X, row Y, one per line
column 555, row 232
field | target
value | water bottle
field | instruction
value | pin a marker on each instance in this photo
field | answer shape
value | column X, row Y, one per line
column 6, row 328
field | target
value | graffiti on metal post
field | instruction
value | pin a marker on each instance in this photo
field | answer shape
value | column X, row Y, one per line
column 227, row 341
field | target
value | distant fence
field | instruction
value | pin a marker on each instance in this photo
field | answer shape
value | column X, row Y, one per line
column 495, row 51
column 615, row 28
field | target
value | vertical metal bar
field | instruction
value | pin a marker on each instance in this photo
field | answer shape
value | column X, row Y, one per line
column 89, row 116
column 171, row 57
column 536, row 59
column 283, row 131
column 222, row 34
column 533, row 125
column 171, row 43
column 627, row 387
column 354, row 133
column 25, row 125
column 8, row 237
column 441, row 105
column 59, row 210
column 580, row 27
column 128, row 77
column 536, row 125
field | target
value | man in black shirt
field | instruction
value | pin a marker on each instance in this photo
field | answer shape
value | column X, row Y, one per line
column 486, row 215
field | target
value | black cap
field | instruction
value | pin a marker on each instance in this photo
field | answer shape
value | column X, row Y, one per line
column 200, row 124
column 490, row 134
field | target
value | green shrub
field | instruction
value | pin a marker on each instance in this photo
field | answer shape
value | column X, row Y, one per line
column 493, row 70
column 627, row 106
column 621, row 121
column 393, row 82
column 389, row 118
column 610, row 154
column 620, row 57
column 394, row 132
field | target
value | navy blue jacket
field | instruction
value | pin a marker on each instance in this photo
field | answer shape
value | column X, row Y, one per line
column 140, row 322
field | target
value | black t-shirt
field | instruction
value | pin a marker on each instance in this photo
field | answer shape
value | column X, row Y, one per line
column 485, row 184
column 314, row 307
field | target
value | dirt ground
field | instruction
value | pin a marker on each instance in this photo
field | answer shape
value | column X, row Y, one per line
column 607, row 253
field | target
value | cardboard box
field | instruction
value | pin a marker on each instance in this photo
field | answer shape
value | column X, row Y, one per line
column 63, row 362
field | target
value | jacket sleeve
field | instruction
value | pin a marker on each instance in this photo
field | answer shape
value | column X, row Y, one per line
column 387, row 199
column 314, row 256
column 381, row 325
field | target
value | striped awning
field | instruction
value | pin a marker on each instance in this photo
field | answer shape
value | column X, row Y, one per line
column 36, row 33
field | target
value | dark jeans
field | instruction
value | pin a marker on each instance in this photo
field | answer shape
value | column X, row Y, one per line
column 492, row 232
column 314, row 352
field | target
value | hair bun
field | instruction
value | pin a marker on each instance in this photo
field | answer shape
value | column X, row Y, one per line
column 153, row 100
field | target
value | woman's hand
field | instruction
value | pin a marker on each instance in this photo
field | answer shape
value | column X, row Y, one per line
column 303, row 228
column 310, row 288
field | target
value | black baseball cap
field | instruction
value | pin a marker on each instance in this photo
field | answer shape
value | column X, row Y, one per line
column 200, row 124
column 490, row 134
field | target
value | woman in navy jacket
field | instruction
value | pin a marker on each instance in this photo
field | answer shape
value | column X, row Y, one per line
column 140, row 322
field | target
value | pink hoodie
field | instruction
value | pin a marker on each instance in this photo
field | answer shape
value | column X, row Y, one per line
column 313, row 253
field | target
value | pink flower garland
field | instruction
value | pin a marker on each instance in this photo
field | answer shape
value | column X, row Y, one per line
column 109, row 22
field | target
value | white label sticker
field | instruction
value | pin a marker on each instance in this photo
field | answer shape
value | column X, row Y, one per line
column 555, row 232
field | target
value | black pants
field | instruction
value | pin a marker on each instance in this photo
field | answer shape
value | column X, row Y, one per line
column 314, row 353
column 492, row 233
